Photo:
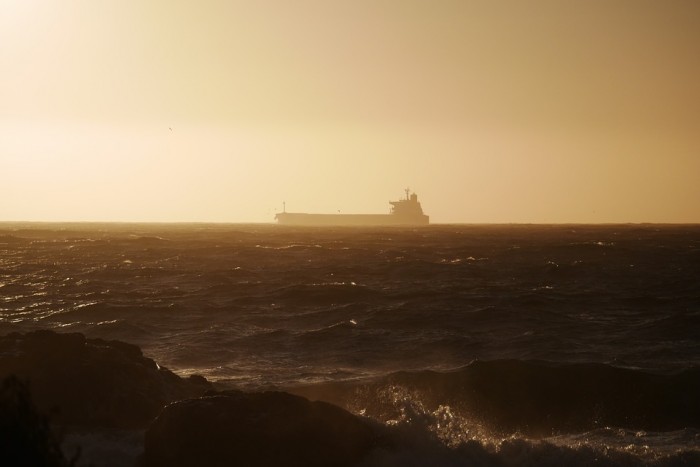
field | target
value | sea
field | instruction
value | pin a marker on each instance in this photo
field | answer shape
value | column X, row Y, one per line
column 484, row 344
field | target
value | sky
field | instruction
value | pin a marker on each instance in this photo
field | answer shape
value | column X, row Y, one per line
column 539, row 111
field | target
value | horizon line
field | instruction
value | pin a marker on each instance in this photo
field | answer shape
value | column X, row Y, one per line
column 131, row 222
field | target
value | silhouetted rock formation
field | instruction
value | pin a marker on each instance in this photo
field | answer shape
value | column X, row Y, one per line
column 256, row 429
column 93, row 382
column 25, row 436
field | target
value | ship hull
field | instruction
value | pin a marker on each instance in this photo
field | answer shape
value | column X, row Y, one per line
column 297, row 218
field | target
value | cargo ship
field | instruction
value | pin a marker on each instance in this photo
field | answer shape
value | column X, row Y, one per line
column 407, row 211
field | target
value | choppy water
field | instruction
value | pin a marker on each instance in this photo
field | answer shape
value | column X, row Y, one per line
column 257, row 306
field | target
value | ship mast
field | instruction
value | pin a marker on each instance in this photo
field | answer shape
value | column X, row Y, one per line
column 408, row 191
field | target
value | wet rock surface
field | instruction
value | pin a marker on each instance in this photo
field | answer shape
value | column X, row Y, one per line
column 257, row 429
column 92, row 382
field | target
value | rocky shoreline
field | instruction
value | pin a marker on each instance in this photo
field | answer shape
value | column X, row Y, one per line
column 96, row 388
column 67, row 400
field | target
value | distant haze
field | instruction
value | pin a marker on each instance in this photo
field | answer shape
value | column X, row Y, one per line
column 492, row 111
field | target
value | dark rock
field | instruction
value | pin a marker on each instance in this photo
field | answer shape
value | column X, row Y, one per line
column 26, row 438
column 256, row 429
column 93, row 382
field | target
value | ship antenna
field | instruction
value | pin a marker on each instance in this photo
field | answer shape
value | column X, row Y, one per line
column 408, row 190
column 284, row 206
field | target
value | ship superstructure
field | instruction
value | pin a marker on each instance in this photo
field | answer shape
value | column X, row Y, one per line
column 407, row 211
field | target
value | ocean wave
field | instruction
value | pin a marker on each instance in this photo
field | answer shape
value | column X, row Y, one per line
column 12, row 240
column 418, row 448
column 146, row 239
column 673, row 326
column 96, row 312
column 328, row 292
column 531, row 397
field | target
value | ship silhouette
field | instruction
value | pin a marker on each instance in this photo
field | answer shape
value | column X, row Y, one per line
column 407, row 211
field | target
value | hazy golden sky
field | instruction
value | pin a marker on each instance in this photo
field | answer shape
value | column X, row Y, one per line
column 493, row 110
